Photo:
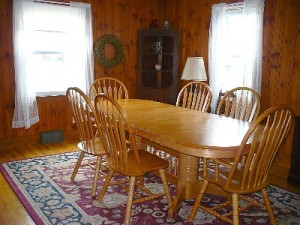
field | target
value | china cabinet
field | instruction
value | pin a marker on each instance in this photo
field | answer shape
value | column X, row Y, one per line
column 158, row 64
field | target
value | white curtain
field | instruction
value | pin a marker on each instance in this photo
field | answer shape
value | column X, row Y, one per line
column 83, row 33
column 250, row 34
column 216, row 53
column 26, row 109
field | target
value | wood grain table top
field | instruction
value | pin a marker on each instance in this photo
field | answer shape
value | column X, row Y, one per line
column 184, row 130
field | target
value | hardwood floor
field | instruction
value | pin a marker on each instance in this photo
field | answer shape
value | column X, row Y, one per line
column 12, row 211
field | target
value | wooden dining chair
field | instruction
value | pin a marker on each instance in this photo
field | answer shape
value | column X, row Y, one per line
column 241, row 103
column 123, row 156
column 259, row 147
column 86, row 121
column 110, row 86
column 195, row 95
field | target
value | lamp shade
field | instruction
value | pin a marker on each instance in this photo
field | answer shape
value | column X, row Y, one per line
column 194, row 69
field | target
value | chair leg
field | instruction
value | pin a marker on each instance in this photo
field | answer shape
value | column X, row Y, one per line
column 96, row 175
column 176, row 201
column 235, row 207
column 77, row 165
column 166, row 187
column 105, row 185
column 198, row 200
column 268, row 206
column 129, row 200
column 142, row 182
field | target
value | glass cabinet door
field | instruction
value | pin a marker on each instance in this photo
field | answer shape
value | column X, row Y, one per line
column 157, row 64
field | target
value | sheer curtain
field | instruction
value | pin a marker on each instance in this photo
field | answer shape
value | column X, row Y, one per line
column 235, row 53
column 81, row 50
column 26, row 109
column 82, row 32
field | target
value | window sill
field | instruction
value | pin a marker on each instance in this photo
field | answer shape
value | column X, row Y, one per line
column 50, row 94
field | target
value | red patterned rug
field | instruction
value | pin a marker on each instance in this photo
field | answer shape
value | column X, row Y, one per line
column 43, row 186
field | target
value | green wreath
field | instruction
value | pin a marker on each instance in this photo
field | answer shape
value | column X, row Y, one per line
column 100, row 51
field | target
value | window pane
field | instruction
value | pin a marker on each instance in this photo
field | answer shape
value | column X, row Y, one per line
column 51, row 17
column 233, row 54
column 56, row 58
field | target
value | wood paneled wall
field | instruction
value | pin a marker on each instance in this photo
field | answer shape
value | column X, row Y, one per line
column 281, row 54
column 122, row 18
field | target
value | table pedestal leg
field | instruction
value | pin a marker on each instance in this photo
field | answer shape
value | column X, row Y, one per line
column 187, row 184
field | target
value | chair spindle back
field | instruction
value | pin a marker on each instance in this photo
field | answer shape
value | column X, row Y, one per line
column 195, row 95
column 266, row 135
column 241, row 103
column 85, row 118
column 109, row 86
column 116, row 131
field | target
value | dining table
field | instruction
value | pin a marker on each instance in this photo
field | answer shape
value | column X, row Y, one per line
column 190, row 133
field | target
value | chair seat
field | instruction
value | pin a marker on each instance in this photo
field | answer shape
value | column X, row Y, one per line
column 221, row 178
column 98, row 149
column 149, row 163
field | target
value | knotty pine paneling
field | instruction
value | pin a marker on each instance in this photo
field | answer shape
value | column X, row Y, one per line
column 283, row 71
column 122, row 18
column 281, row 47
column 281, row 52
column 192, row 18
column 281, row 55
column 6, row 66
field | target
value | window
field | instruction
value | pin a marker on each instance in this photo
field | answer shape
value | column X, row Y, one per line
column 53, row 51
column 235, row 46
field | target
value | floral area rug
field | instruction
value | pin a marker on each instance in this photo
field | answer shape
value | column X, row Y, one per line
column 43, row 186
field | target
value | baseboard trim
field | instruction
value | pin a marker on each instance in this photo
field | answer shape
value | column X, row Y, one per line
column 33, row 139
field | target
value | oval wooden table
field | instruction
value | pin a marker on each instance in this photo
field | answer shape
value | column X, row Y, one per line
column 191, row 133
